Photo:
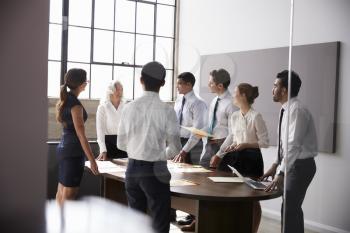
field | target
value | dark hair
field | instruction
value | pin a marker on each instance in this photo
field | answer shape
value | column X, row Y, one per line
column 295, row 82
column 221, row 76
column 72, row 79
column 153, row 76
column 250, row 92
column 187, row 77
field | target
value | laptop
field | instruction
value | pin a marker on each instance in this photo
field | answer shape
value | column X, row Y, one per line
column 252, row 183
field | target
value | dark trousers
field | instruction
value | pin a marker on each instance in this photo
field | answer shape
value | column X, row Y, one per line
column 147, row 188
column 298, row 180
column 210, row 149
column 195, row 153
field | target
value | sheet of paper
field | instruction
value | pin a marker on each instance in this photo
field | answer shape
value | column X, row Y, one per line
column 185, row 168
column 181, row 182
column 106, row 166
column 226, row 179
column 198, row 131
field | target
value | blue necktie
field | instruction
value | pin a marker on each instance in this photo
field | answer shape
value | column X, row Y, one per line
column 213, row 119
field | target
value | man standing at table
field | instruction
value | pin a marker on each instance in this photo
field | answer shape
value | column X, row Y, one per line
column 149, row 132
column 220, row 110
column 191, row 112
column 302, row 148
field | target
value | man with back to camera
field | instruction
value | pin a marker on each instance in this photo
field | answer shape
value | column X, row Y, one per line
column 191, row 112
column 302, row 148
column 147, row 126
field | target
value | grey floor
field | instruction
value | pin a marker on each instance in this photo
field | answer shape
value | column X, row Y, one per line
column 267, row 225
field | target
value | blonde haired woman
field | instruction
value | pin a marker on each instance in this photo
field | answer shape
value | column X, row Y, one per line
column 107, row 122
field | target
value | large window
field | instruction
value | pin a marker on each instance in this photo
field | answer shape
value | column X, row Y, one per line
column 111, row 40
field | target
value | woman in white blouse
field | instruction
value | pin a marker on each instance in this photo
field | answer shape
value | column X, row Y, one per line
column 107, row 122
column 248, row 133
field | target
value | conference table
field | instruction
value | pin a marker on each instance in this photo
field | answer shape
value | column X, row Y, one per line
column 218, row 207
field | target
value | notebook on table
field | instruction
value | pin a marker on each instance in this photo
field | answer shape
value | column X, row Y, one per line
column 252, row 183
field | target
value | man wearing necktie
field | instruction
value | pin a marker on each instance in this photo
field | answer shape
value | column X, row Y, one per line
column 302, row 148
column 191, row 112
column 220, row 110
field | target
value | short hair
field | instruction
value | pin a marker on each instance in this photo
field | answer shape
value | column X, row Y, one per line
column 111, row 88
column 295, row 82
column 153, row 75
column 187, row 77
column 221, row 76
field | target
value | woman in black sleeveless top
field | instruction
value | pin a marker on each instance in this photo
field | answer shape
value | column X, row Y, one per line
column 73, row 146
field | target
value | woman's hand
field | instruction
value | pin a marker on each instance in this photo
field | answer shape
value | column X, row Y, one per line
column 215, row 161
column 102, row 156
column 94, row 167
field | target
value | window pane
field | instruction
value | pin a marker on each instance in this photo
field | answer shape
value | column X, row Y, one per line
column 126, row 76
column 86, row 67
column 56, row 11
column 79, row 44
column 165, row 92
column 80, row 13
column 125, row 16
column 55, row 37
column 144, row 49
column 104, row 14
column 103, row 46
column 53, row 82
column 138, row 86
column 168, row 2
column 165, row 20
column 101, row 76
column 145, row 18
column 124, row 48
column 164, row 52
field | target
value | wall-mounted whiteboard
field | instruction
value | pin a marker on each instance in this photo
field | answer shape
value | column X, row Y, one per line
column 317, row 66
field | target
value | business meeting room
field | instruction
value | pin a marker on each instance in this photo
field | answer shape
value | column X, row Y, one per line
column 170, row 116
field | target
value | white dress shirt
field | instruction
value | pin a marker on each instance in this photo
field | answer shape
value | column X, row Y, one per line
column 194, row 114
column 107, row 122
column 149, row 129
column 248, row 128
column 302, row 139
column 224, row 111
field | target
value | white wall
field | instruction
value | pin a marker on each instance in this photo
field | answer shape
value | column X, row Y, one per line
column 209, row 26
column 23, row 120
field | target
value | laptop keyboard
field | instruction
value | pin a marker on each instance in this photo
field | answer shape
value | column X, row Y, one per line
column 257, row 184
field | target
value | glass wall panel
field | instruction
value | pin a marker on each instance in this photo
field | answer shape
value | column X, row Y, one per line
column 104, row 14
column 125, row 16
column 79, row 44
column 124, row 48
column 103, row 46
column 126, row 76
column 164, row 51
column 145, row 18
column 101, row 76
column 55, row 38
column 144, row 49
column 53, row 83
column 80, row 13
column 165, row 20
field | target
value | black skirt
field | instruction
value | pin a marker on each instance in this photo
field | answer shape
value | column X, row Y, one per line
column 112, row 150
column 248, row 162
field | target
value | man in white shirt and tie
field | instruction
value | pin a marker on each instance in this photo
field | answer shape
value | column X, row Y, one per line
column 302, row 148
column 220, row 110
column 191, row 112
column 149, row 132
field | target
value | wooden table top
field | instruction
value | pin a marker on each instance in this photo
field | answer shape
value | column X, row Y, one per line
column 206, row 189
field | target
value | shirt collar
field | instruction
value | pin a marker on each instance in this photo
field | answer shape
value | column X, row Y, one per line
column 225, row 94
column 188, row 94
column 285, row 105
column 150, row 93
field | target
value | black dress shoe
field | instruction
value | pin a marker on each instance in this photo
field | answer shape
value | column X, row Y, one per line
column 186, row 220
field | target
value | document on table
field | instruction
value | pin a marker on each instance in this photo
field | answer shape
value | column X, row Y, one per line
column 185, row 168
column 198, row 131
column 218, row 179
column 181, row 182
column 106, row 166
